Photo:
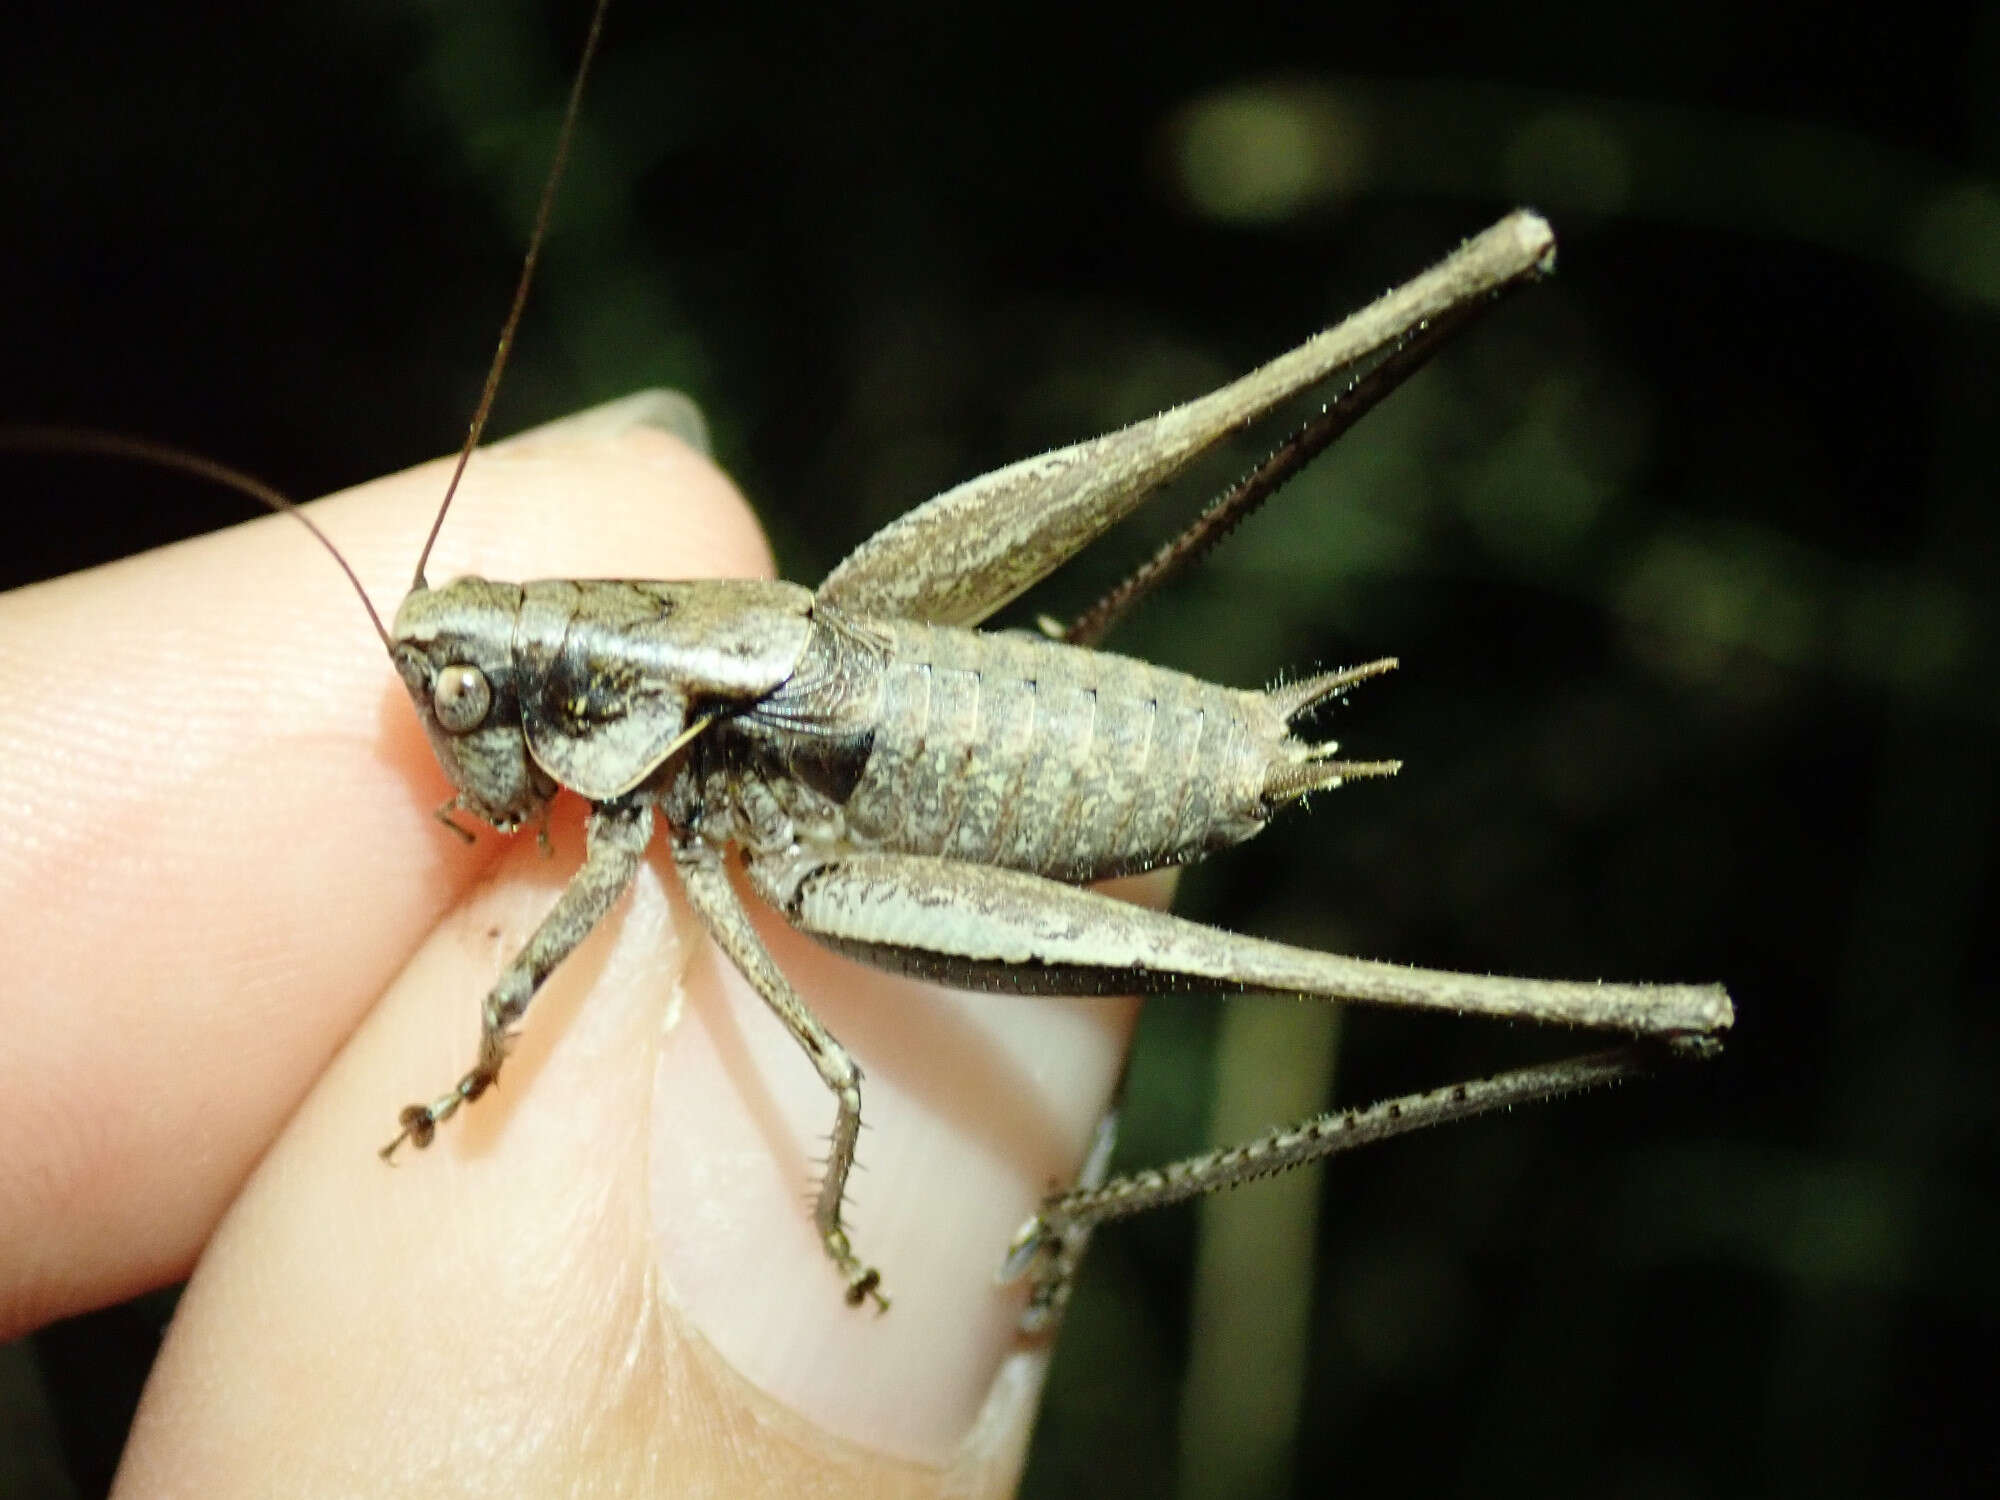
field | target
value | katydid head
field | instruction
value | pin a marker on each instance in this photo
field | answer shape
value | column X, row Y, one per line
column 592, row 684
column 453, row 648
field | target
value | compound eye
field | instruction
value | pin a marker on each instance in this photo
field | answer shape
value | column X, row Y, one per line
column 461, row 698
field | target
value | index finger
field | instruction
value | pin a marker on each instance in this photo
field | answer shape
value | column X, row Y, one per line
column 220, row 846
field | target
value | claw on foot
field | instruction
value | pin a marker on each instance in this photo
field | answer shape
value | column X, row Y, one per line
column 1029, row 1241
column 419, row 1122
column 1044, row 1252
column 864, row 1283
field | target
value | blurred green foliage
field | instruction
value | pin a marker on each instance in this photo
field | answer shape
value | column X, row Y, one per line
column 1688, row 556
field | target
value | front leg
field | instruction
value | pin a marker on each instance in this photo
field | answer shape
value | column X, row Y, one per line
column 706, row 880
column 616, row 838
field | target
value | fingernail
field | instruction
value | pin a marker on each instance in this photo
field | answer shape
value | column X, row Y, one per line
column 664, row 410
column 969, row 1115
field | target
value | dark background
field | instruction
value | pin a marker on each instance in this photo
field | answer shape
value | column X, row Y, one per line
column 1688, row 556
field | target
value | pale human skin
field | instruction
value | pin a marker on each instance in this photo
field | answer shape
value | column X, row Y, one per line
column 238, row 942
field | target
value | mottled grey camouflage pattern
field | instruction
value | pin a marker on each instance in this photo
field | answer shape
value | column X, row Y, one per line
column 930, row 797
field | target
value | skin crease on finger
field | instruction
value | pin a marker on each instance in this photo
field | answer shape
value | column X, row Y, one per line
column 606, row 1268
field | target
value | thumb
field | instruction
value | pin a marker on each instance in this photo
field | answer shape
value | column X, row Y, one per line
column 604, row 1273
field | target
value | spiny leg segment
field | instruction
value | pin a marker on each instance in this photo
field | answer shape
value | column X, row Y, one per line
column 706, row 879
column 1043, row 1251
column 616, row 837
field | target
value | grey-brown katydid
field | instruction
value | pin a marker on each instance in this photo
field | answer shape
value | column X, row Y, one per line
column 929, row 797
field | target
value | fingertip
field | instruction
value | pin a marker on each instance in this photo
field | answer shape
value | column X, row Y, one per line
column 574, row 499
column 594, row 1216
column 349, row 1322
column 221, row 847
column 973, row 1107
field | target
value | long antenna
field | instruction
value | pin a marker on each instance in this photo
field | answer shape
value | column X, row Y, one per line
column 39, row 439
column 536, row 236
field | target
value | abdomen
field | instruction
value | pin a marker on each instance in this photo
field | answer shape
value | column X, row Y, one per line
column 1076, row 764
